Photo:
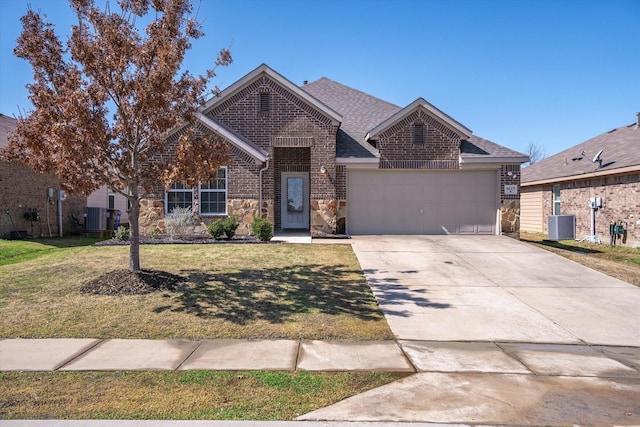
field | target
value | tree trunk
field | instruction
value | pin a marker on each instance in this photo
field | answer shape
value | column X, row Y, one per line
column 134, row 235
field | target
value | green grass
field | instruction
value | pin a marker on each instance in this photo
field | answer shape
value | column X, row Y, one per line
column 17, row 251
column 228, row 291
column 211, row 395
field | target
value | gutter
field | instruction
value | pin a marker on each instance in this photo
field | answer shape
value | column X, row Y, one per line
column 260, row 186
column 628, row 169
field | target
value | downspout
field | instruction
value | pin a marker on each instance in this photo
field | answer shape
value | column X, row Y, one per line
column 260, row 186
column 60, row 196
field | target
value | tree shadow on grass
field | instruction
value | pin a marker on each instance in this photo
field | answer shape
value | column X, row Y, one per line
column 274, row 294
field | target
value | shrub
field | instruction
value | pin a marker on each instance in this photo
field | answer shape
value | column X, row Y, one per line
column 216, row 228
column 155, row 232
column 230, row 226
column 262, row 228
column 122, row 233
column 179, row 222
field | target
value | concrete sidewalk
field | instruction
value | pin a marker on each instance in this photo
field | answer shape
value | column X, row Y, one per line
column 165, row 423
column 67, row 354
column 491, row 383
column 140, row 354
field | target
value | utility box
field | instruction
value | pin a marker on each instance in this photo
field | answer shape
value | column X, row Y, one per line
column 95, row 219
column 562, row 227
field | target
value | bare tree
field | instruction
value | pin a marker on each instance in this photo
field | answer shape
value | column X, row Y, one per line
column 105, row 102
column 535, row 153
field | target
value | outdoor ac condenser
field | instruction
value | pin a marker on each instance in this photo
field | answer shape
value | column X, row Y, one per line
column 95, row 219
column 562, row 227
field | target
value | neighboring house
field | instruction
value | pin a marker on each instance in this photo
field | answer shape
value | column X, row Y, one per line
column 563, row 184
column 103, row 197
column 24, row 191
column 330, row 159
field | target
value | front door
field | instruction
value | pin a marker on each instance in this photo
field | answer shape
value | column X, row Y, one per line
column 295, row 200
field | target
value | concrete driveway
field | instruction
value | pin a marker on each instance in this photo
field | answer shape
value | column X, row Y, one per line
column 494, row 288
column 500, row 333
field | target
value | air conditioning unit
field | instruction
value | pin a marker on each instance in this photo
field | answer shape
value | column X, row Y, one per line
column 95, row 219
column 562, row 227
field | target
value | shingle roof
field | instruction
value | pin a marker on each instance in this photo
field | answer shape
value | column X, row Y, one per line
column 479, row 148
column 362, row 112
column 7, row 124
column 621, row 149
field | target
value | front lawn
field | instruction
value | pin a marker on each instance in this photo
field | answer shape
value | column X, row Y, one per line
column 225, row 291
column 209, row 395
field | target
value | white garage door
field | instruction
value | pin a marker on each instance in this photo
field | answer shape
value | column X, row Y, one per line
column 422, row 202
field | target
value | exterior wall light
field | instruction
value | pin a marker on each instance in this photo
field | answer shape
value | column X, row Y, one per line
column 323, row 170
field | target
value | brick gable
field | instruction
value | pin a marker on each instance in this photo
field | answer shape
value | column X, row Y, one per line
column 440, row 150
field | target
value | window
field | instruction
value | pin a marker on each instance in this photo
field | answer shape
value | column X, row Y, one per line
column 111, row 200
column 213, row 195
column 556, row 200
column 265, row 102
column 178, row 196
column 418, row 133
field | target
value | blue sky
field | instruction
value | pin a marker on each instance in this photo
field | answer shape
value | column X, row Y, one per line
column 549, row 72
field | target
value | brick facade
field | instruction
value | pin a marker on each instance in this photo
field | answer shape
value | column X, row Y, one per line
column 299, row 135
column 440, row 149
column 22, row 189
column 297, row 138
column 620, row 201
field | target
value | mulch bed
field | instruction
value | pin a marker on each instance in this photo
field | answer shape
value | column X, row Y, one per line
column 123, row 282
column 166, row 240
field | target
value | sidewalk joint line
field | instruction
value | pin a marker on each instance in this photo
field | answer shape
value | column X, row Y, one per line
column 199, row 342
column 406, row 356
column 295, row 363
column 79, row 355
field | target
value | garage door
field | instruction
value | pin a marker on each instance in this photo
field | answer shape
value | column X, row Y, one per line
column 422, row 202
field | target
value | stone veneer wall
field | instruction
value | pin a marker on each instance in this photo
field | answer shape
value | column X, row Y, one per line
column 323, row 217
column 509, row 203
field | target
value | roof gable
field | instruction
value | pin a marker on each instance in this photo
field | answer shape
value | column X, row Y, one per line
column 429, row 109
column 621, row 151
column 262, row 70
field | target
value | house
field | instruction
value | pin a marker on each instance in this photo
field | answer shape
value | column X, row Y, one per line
column 605, row 167
column 103, row 197
column 30, row 202
column 330, row 159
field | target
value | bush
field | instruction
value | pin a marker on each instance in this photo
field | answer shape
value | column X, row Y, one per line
column 262, row 228
column 230, row 226
column 179, row 222
column 216, row 228
column 122, row 233
column 227, row 226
